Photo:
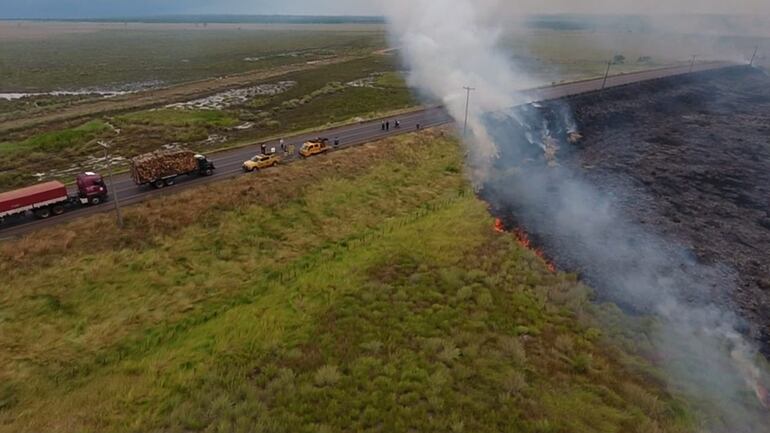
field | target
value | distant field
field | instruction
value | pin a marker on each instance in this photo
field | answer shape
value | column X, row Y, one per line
column 108, row 56
column 44, row 56
column 565, row 55
column 365, row 290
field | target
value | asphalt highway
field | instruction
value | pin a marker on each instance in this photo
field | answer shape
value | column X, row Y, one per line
column 229, row 163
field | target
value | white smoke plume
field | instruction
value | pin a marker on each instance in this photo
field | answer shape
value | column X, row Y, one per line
column 450, row 44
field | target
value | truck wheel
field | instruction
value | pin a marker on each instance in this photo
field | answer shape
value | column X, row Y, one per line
column 95, row 201
column 43, row 213
column 208, row 172
column 58, row 209
column 169, row 182
column 158, row 184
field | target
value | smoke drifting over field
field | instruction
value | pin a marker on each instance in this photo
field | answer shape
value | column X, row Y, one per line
column 448, row 44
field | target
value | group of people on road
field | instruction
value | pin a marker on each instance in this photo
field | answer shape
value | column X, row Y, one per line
column 396, row 125
column 285, row 148
column 265, row 150
column 386, row 125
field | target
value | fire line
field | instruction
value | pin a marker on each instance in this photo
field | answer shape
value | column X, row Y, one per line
column 523, row 239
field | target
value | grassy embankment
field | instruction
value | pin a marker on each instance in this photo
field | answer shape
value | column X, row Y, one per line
column 319, row 98
column 360, row 291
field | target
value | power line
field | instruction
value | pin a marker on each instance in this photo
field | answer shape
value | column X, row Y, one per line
column 114, row 190
column 606, row 74
column 467, row 106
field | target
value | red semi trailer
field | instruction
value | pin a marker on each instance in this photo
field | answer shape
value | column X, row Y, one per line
column 52, row 198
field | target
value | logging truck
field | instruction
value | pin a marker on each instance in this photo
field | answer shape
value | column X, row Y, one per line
column 162, row 167
column 52, row 198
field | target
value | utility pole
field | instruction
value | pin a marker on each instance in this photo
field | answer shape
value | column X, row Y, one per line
column 119, row 216
column 754, row 56
column 606, row 74
column 692, row 63
column 467, row 106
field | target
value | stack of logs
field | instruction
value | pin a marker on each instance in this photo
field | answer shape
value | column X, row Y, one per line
column 162, row 163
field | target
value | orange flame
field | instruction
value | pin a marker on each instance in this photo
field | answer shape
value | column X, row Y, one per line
column 523, row 238
column 499, row 226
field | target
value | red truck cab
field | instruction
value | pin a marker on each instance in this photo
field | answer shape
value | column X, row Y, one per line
column 52, row 198
column 91, row 188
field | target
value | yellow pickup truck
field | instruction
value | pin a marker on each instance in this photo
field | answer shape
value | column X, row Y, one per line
column 314, row 147
column 261, row 161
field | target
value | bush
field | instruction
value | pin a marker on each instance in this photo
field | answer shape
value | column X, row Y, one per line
column 582, row 363
column 513, row 382
column 327, row 375
column 58, row 141
column 512, row 347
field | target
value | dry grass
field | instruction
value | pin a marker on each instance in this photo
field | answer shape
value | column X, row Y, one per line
column 360, row 291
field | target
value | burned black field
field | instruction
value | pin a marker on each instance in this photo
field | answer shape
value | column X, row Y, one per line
column 685, row 161
column 693, row 160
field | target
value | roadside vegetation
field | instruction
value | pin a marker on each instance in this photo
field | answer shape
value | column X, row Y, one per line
column 55, row 141
column 46, row 150
column 364, row 290
column 181, row 118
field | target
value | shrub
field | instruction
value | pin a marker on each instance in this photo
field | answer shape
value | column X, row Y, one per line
column 564, row 343
column 449, row 353
column 512, row 347
column 7, row 396
column 513, row 382
column 582, row 362
column 464, row 293
column 327, row 375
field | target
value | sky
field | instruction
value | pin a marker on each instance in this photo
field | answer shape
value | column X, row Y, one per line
column 114, row 8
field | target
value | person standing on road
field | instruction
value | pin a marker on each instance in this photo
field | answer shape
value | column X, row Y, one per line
column 264, row 148
column 387, row 125
column 418, row 125
column 336, row 141
column 283, row 145
column 398, row 124
column 383, row 125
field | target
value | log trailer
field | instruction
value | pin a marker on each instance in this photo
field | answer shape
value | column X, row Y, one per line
column 162, row 167
column 52, row 198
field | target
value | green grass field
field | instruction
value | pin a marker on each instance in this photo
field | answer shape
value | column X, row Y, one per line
column 116, row 58
column 360, row 291
column 55, row 141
